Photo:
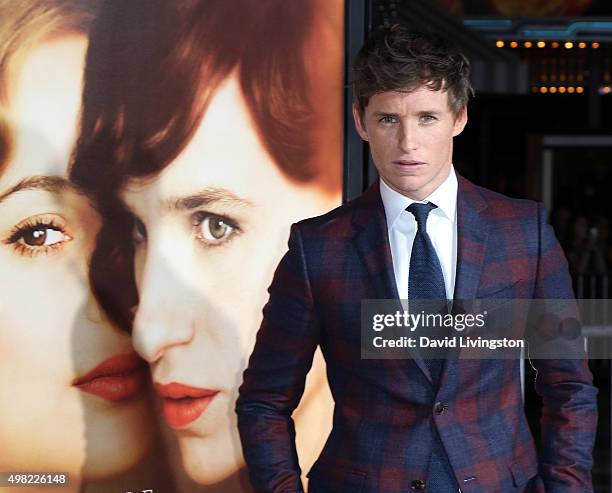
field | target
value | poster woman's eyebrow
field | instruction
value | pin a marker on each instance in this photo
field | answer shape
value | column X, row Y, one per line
column 205, row 197
column 53, row 184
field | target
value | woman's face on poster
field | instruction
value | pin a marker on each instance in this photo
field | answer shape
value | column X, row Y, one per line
column 209, row 232
column 72, row 393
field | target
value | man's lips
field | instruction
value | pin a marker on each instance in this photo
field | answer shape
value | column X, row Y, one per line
column 183, row 404
column 117, row 378
column 407, row 162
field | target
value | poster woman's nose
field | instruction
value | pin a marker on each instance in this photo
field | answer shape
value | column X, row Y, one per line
column 162, row 318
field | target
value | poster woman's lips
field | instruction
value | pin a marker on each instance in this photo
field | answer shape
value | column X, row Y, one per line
column 183, row 404
column 119, row 378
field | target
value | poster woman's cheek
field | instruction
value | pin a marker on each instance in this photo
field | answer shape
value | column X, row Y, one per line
column 73, row 393
column 208, row 233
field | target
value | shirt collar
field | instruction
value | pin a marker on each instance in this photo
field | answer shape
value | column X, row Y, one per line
column 445, row 197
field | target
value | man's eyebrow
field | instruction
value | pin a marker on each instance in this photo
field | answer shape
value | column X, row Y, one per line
column 397, row 115
column 53, row 184
column 429, row 112
column 207, row 196
column 385, row 113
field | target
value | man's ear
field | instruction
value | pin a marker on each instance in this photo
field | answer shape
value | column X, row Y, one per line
column 460, row 121
column 359, row 126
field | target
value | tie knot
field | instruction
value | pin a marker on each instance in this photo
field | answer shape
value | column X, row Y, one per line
column 420, row 212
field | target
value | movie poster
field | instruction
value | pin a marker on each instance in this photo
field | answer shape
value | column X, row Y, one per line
column 153, row 155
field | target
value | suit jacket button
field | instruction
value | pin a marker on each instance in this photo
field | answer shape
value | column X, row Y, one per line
column 417, row 485
column 439, row 408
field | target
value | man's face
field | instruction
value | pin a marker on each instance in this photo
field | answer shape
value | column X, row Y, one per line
column 411, row 138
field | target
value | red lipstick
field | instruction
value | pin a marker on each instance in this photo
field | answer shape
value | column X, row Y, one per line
column 119, row 378
column 183, row 404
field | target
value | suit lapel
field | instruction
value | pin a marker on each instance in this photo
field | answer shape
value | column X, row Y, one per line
column 372, row 243
column 472, row 235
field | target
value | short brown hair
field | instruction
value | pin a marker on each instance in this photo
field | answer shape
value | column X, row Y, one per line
column 398, row 59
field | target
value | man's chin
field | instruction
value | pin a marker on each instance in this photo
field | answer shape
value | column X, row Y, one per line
column 412, row 189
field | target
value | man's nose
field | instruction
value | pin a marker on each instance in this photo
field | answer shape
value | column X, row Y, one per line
column 163, row 317
column 407, row 137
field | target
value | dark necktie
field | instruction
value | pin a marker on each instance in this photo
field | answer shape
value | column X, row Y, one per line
column 425, row 278
column 426, row 282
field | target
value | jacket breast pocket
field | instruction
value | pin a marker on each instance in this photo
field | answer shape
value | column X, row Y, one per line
column 501, row 292
column 331, row 478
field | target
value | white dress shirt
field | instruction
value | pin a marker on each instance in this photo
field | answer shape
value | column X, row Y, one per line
column 441, row 227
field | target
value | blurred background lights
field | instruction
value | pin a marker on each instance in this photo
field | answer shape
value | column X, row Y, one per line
column 605, row 90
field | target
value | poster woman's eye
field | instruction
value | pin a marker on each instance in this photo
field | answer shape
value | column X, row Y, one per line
column 42, row 236
column 212, row 229
column 37, row 235
column 139, row 231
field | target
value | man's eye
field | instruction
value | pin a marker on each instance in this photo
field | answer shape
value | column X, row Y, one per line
column 387, row 119
column 212, row 229
column 428, row 118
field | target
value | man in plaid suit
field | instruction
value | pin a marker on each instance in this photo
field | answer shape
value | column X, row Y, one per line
column 407, row 425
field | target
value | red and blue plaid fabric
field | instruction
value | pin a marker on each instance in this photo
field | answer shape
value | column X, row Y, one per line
column 382, row 438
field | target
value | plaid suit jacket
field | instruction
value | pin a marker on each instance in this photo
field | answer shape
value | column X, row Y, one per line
column 384, row 410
